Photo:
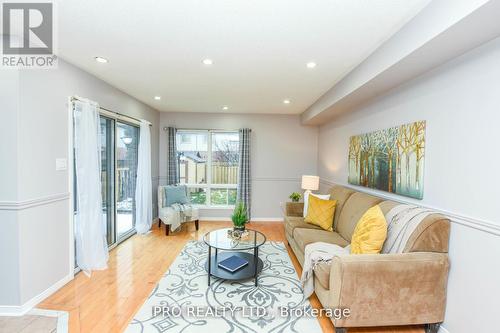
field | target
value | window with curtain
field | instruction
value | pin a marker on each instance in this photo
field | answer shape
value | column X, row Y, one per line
column 208, row 165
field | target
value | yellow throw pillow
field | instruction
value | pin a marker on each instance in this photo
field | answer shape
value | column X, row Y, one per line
column 320, row 212
column 370, row 232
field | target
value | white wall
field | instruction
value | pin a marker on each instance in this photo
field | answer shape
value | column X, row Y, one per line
column 461, row 103
column 282, row 150
column 9, row 252
column 43, row 117
column 38, row 204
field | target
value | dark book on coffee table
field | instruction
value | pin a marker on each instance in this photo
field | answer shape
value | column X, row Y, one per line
column 233, row 263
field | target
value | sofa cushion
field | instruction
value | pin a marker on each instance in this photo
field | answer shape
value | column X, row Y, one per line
column 386, row 206
column 370, row 232
column 308, row 236
column 307, row 195
column 292, row 222
column 357, row 204
column 320, row 212
column 341, row 194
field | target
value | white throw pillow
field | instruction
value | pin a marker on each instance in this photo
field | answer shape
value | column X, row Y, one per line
column 306, row 200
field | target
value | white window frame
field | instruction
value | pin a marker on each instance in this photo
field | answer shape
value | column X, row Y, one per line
column 209, row 186
column 182, row 139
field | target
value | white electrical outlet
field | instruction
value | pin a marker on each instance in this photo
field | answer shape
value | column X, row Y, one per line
column 61, row 164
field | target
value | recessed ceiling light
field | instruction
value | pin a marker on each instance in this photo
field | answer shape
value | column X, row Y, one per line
column 311, row 64
column 225, row 107
column 101, row 60
column 208, row 62
column 157, row 98
column 286, row 101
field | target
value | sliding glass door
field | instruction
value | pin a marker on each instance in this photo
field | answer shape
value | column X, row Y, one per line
column 108, row 177
column 127, row 143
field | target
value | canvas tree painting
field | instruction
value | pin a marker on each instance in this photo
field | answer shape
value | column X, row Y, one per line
column 391, row 160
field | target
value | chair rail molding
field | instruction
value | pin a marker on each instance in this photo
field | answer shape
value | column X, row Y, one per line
column 466, row 221
column 228, row 219
column 40, row 201
column 276, row 179
column 258, row 179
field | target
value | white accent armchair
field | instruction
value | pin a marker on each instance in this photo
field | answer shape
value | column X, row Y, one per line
column 175, row 215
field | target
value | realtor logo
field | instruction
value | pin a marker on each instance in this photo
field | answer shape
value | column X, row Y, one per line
column 28, row 35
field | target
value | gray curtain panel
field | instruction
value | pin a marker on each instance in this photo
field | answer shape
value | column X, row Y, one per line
column 244, row 183
column 173, row 166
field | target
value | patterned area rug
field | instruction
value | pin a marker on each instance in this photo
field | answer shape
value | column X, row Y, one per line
column 182, row 301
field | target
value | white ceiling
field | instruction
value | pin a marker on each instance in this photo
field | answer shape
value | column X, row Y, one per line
column 259, row 47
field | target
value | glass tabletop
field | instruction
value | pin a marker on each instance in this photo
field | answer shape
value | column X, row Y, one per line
column 223, row 239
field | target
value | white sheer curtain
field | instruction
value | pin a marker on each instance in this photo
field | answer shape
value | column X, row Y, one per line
column 143, row 189
column 90, row 232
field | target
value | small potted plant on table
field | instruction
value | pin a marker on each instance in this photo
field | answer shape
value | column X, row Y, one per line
column 239, row 217
column 295, row 207
column 295, row 196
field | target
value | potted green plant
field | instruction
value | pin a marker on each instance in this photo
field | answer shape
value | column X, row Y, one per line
column 295, row 196
column 239, row 216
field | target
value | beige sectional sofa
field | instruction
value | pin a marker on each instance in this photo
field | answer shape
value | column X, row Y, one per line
column 382, row 289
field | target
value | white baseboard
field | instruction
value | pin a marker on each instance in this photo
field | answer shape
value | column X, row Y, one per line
column 19, row 310
column 267, row 219
column 256, row 219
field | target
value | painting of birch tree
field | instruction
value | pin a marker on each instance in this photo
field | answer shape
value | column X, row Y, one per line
column 391, row 160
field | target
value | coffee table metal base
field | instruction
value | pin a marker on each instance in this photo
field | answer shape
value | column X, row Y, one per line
column 249, row 271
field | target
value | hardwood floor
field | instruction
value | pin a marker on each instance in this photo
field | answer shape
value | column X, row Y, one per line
column 108, row 300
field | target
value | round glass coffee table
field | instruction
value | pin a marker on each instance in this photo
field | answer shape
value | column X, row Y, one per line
column 221, row 239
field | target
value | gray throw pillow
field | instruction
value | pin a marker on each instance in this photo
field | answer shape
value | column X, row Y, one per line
column 176, row 194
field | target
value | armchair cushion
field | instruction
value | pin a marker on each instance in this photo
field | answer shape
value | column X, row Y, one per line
column 176, row 194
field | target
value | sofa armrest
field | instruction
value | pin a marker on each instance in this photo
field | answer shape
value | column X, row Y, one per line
column 389, row 289
column 294, row 209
